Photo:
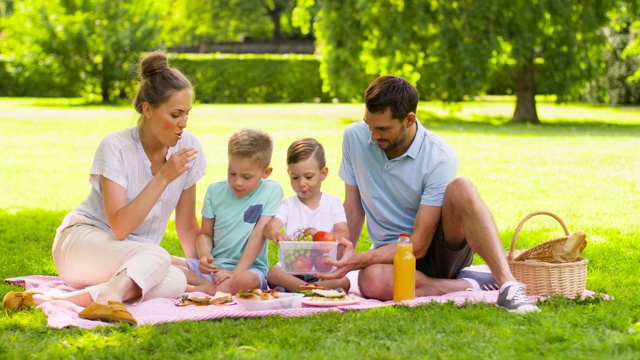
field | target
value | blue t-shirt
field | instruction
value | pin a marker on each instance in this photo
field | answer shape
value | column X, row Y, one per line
column 391, row 191
column 235, row 219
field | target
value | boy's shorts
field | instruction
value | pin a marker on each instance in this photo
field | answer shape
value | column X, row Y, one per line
column 443, row 263
column 194, row 263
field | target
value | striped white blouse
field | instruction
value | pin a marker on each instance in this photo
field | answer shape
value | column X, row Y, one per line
column 121, row 158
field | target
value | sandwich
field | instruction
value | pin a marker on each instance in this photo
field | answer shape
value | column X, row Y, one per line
column 311, row 286
column 217, row 299
column 326, row 294
column 257, row 294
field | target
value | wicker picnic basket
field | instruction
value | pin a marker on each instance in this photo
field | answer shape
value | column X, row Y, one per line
column 545, row 278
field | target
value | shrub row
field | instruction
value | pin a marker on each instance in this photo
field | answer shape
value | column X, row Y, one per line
column 218, row 78
column 228, row 78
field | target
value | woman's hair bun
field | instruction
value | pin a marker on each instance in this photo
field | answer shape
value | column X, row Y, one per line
column 153, row 63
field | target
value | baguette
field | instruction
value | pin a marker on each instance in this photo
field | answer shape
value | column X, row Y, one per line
column 570, row 251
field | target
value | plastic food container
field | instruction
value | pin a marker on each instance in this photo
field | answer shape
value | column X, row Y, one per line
column 286, row 301
column 306, row 257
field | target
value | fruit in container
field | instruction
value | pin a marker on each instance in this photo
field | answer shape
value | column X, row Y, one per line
column 320, row 264
column 303, row 263
column 324, row 236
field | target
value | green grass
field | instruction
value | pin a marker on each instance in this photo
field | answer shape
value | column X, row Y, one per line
column 583, row 165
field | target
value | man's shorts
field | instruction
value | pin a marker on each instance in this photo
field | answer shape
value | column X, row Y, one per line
column 443, row 263
column 194, row 263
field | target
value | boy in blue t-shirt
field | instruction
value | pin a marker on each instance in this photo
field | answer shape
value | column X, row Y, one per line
column 232, row 250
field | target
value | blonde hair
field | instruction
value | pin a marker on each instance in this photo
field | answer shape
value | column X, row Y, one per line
column 304, row 148
column 252, row 144
column 158, row 82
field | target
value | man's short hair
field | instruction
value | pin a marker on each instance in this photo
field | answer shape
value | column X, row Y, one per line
column 391, row 92
column 252, row 144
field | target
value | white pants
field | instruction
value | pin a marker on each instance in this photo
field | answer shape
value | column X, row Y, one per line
column 87, row 257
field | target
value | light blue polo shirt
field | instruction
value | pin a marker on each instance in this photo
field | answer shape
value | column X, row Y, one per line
column 235, row 219
column 391, row 191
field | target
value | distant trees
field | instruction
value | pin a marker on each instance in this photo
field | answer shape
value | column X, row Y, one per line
column 194, row 21
column 452, row 48
column 89, row 43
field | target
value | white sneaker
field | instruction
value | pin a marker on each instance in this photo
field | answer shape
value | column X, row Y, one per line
column 514, row 299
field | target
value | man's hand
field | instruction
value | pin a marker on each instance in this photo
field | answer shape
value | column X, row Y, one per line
column 343, row 265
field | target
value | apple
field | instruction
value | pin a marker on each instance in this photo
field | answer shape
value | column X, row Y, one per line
column 320, row 264
column 303, row 264
column 324, row 236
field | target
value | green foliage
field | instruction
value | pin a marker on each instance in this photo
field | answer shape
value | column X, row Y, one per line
column 252, row 78
column 84, row 47
column 616, row 83
column 451, row 49
column 217, row 78
column 230, row 21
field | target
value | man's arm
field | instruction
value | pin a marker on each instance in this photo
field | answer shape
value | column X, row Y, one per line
column 354, row 211
column 424, row 227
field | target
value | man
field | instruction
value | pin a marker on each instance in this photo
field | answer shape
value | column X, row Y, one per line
column 403, row 179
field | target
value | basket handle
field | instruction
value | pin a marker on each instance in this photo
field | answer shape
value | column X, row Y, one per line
column 515, row 235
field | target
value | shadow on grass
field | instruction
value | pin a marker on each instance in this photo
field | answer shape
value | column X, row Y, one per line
column 26, row 238
column 503, row 125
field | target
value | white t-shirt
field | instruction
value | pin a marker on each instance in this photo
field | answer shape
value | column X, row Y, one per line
column 121, row 159
column 295, row 215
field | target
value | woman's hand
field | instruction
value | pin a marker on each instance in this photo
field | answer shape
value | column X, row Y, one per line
column 179, row 162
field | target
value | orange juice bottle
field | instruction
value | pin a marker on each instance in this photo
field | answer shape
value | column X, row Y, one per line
column 404, row 270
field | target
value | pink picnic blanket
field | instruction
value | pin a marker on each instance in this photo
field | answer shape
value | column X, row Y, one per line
column 61, row 314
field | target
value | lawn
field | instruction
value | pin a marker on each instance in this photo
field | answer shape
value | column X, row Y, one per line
column 582, row 165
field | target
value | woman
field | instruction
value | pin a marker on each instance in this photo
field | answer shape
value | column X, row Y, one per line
column 109, row 246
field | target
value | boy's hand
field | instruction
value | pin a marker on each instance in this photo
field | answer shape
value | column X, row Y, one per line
column 280, row 237
column 221, row 275
column 206, row 265
column 311, row 231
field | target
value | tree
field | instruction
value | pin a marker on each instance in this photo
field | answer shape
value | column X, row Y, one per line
column 228, row 21
column 450, row 49
column 91, row 44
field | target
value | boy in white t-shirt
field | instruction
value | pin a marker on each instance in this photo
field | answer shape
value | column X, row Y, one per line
column 308, row 208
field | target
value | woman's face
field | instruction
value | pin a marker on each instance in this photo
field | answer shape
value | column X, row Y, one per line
column 168, row 120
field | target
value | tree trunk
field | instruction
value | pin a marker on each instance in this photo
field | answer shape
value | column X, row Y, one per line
column 105, row 82
column 525, row 88
column 105, row 92
column 277, row 32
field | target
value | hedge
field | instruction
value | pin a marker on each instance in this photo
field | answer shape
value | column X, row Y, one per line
column 218, row 78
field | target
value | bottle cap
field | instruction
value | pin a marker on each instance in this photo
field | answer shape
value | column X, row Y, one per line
column 405, row 235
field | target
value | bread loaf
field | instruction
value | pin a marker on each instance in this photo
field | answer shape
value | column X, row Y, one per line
column 570, row 250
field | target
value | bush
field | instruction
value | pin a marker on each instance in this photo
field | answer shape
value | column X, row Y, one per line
column 218, row 78
column 225, row 78
column 36, row 79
